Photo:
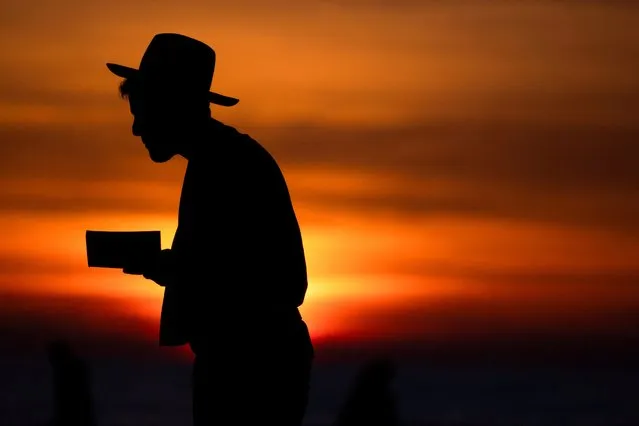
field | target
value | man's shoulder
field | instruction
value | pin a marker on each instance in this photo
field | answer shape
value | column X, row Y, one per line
column 229, row 138
column 221, row 131
column 242, row 148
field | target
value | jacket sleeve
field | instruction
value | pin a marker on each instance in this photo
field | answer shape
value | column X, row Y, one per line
column 195, row 251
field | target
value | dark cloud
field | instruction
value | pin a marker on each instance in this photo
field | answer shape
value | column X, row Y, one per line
column 96, row 325
column 52, row 204
column 572, row 174
column 611, row 282
column 12, row 264
column 457, row 330
column 418, row 4
column 567, row 174
column 471, row 330
column 621, row 280
column 467, row 3
column 565, row 159
column 530, row 157
column 78, row 152
column 584, row 210
column 68, row 197
column 16, row 90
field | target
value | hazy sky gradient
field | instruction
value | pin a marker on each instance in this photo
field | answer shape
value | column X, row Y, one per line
column 458, row 170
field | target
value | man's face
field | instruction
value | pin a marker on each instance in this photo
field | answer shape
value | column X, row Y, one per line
column 157, row 124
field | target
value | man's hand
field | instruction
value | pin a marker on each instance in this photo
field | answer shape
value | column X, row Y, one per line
column 135, row 267
column 160, row 268
column 157, row 268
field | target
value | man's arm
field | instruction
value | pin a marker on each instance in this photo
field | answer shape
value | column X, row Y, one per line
column 231, row 228
column 160, row 268
column 169, row 266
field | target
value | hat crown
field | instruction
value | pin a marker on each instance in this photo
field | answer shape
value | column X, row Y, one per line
column 175, row 59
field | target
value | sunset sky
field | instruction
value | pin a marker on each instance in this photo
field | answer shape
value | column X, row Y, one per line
column 464, row 172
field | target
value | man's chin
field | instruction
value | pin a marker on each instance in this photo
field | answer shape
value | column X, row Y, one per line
column 160, row 157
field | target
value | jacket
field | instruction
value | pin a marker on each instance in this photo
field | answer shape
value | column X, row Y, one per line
column 237, row 247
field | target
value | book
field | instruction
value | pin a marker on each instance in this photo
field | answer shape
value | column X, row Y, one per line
column 117, row 249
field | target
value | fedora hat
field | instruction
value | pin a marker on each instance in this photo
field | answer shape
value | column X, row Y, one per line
column 177, row 62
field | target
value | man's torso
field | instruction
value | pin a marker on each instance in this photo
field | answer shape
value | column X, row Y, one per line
column 236, row 221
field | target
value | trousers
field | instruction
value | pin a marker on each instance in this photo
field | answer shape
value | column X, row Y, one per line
column 259, row 375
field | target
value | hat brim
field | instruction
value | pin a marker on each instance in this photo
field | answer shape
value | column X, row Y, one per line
column 214, row 98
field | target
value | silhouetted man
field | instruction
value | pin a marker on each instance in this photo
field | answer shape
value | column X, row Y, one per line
column 72, row 396
column 236, row 273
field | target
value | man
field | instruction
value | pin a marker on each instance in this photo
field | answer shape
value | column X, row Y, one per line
column 235, row 274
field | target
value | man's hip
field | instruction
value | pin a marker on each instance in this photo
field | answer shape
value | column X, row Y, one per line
column 250, row 331
column 254, row 380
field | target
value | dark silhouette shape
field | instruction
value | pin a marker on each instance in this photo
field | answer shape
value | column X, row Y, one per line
column 235, row 275
column 72, row 395
column 371, row 401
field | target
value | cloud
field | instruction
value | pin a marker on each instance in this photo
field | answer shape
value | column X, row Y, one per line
column 78, row 152
column 16, row 91
column 471, row 330
column 455, row 330
column 96, row 325
column 68, row 196
column 570, row 174
column 536, row 157
column 466, row 3
column 513, row 110
column 12, row 264
column 562, row 174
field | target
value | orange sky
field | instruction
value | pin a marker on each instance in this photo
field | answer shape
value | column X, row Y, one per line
column 458, row 170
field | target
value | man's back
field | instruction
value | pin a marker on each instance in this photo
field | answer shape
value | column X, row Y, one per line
column 238, row 234
column 249, row 340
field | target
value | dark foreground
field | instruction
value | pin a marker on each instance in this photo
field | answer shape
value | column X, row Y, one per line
column 138, row 393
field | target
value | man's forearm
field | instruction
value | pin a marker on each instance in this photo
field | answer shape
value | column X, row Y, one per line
column 163, row 268
column 170, row 267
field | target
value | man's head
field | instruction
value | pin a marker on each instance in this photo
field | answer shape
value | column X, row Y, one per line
column 165, row 120
column 169, row 93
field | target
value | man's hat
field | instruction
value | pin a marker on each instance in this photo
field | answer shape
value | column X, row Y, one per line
column 179, row 63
